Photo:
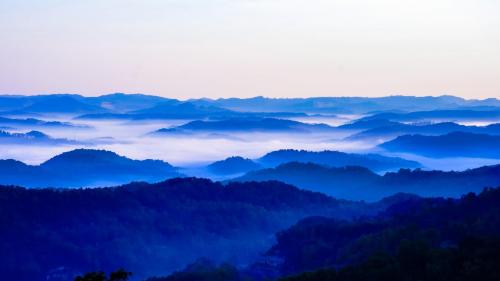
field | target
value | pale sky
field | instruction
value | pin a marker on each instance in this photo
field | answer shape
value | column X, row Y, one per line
column 243, row 48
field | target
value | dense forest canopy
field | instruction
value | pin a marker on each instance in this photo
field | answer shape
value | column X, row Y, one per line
column 150, row 228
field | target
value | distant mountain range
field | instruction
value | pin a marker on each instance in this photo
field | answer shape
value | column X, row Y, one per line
column 36, row 123
column 349, row 104
column 456, row 144
column 358, row 183
column 84, row 168
column 487, row 114
column 368, row 123
column 77, row 104
column 33, row 138
column 397, row 129
column 144, row 105
column 171, row 109
column 233, row 165
column 373, row 162
column 246, row 125
column 90, row 168
column 239, row 165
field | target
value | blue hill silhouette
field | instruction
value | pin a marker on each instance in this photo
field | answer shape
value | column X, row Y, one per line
column 358, row 183
column 398, row 129
column 348, row 104
column 32, row 138
column 374, row 162
column 233, row 165
column 36, row 123
column 247, row 125
column 441, row 114
column 85, row 167
column 122, row 103
column 365, row 124
column 456, row 144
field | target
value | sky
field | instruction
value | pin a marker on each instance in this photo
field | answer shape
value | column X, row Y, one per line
column 244, row 48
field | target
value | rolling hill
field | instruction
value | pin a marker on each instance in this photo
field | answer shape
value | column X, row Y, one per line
column 456, row 144
column 84, row 168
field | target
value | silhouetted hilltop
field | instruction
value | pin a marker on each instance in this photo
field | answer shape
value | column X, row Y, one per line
column 397, row 129
column 32, row 138
column 122, row 103
column 187, row 108
column 343, row 182
column 456, row 144
column 61, row 104
column 76, row 104
column 450, row 114
column 359, row 183
column 233, row 165
column 170, row 109
column 35, row 123
column 84, row 167
column 247, row 125
column 365, row 124
column 373, row 162
column 347, row 104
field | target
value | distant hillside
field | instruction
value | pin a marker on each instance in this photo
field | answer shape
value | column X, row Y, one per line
column 488, row 114
column 247, row 125
column 188, row 108
column 76, row 104
column 455, row 144
column 357, row 183
column 373, row 162
column 134, row 103
column 32, row 138
column 83, row 168
column 233, row 165
column 347, row 104
column 409, row 229
column 398, row 129
column 119, row 102
column 369, row 123
column 149, row 229
column 169, row 109
column 35, row 123
column 61, row 104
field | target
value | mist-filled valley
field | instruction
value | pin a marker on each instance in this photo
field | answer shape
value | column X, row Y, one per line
column 244, row 189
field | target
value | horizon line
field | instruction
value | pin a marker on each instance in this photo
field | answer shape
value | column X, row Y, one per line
column 236, row 97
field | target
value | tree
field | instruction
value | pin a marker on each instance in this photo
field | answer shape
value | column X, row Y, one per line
column 119, row 275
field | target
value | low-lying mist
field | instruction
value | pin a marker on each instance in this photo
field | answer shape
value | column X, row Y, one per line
column 133, row 139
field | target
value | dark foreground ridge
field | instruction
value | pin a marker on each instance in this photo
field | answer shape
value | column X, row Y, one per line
column 421, row 239
column 149, row 229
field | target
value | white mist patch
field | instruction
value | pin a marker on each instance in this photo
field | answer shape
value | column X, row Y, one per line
column 32, row 154
column 133, row 139
column 186, row 150
column 446, row 164
column 333, row 121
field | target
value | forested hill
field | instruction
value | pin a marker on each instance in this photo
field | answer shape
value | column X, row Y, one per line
column 320, row 242
column 149, row 229
column 358, row 183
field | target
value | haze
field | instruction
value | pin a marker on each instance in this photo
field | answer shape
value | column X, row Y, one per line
column 241, row 48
